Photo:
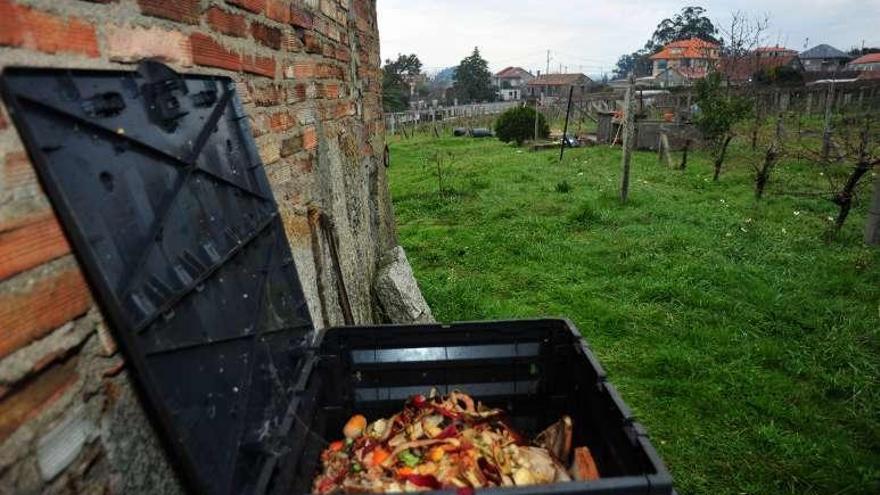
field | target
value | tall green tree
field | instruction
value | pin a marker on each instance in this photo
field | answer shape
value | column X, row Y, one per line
column 691, row 22
column 396, row 76
column 473, row 81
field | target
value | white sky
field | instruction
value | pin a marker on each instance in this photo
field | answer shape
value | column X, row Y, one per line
column 589, row 35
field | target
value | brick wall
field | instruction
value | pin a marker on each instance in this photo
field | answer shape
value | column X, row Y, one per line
column 307, row 71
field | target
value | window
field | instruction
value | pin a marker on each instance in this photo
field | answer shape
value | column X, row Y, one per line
column 662, row 64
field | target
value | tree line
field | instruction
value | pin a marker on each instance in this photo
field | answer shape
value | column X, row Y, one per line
column 403, row 80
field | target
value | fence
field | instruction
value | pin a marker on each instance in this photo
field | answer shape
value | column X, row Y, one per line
column 412, row 118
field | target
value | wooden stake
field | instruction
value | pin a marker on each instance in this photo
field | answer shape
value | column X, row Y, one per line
column 628, row 137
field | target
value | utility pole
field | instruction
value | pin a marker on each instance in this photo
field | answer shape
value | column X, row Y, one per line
column 548, row 62
column 565, row 129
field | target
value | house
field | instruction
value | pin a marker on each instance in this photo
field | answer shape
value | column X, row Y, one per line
column 511, row 83
column 768, row 58
column 557, row 85
column 869, row 62
column 824, row 58
column 692, row 58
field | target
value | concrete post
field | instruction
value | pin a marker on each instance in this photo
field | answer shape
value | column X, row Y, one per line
column 628, row 137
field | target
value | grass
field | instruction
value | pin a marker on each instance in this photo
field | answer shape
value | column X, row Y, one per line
column 746, row 343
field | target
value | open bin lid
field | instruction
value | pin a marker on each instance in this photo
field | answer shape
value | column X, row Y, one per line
column 159, row 187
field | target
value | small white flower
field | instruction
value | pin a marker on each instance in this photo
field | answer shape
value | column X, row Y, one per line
column 743, row 229
column 797, row 213
column 722, row 201
column 822, row 174
column 748, row 220
column 830, row 219
column 580, row 174
column 784, row 231
column 729, row 235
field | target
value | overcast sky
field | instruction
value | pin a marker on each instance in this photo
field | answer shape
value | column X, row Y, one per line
column 589, row 35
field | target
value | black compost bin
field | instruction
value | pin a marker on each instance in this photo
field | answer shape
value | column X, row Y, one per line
column 159, row 187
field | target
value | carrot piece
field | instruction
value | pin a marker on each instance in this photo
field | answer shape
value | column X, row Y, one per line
column 355, row 426
column 405, row 471
column 379, row 456
column 436, row 454
column 337, row 446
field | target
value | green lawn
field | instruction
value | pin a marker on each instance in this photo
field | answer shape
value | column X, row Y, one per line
column 744, row 342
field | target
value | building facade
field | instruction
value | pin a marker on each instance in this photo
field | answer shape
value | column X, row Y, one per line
column 511, row 82
column 824, row 58
column 558, row 85
column 869, row 62
column 692, row 58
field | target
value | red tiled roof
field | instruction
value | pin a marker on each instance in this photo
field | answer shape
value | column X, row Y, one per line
column 510, row 72
column 871, row 58
column 692, row 48
column 557, row 80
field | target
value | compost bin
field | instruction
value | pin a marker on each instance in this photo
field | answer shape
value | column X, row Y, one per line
column 158, row 185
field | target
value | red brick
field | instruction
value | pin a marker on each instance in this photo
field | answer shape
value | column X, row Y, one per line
column 343, row 54
column 312, row 43
column 299, row 93
column 28, row 28
column 330, row 91
column 261, row 66
column 17, row 171
column 131, row 44
column 226, row 22
column 20, row 406
column 278, row 10
column 267, row 36
column 34, row 243
column 176, row 10
column 46, row 304
column 206, row 51
column 310, row 138
column 302, row 70
column 281, row 121
column 255, row 6
column 300, row 18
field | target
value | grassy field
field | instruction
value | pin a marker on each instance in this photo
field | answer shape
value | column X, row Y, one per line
column 746, row 343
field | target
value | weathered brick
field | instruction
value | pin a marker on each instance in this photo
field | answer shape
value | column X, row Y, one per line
column 176, row 10
column 266, row 35
column 269, row 148
column 310, row 138
column 35, row 395
column 291, row 41
column 343, row 54
column 31, row 243
column 278, row 10
column 208, row 52
column 281, row 121
column 261, row 66
column 298, row 94
column 25, row 27
column 255, row 6
column 291, row 145
column 267, row 95
column 131, row 44
column 18, row 171
column 312, row 43
column 300, row 18
column 47, row 303
column 330, row 91
column 302, row 70
column 226, row 22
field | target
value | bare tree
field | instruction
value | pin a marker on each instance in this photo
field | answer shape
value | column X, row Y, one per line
column 771, row 157
column 856, row 153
